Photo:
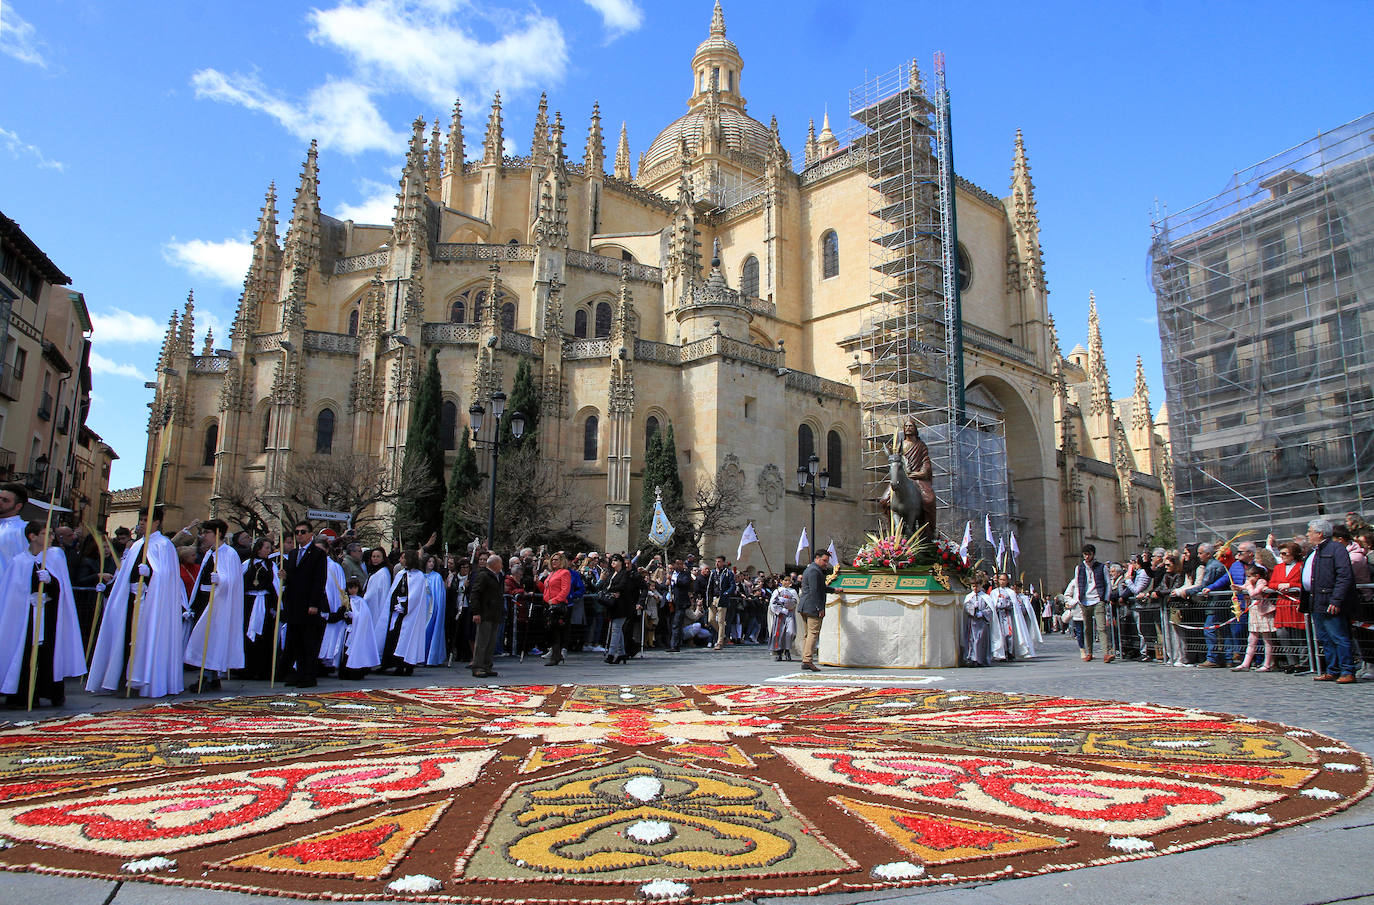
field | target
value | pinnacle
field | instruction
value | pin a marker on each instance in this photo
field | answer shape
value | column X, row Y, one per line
column 718, row 20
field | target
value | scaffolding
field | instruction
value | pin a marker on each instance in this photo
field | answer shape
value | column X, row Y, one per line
column 910, row 345
column 1265, row 302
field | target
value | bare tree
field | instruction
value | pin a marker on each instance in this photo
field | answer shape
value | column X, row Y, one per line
column 535, row 499
column 718, row 505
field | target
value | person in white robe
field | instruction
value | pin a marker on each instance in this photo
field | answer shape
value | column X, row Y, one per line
column 361, row 652
column 216, row 640
column 1010, row 617
column 782, row 612
column 37, row 582
column 1025, row 608
column 413, row 617
column 436, row 632
column 154, row 665
column 332, row 645
column 378, row 594
column 13, row 498
column 980, row 621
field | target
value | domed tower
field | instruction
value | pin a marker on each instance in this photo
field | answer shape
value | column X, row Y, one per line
column 726, row 147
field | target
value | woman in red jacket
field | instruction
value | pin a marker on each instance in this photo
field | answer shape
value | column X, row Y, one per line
column 557, row 586
column 1286, row 581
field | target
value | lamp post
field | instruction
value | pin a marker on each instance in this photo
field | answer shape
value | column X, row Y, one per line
column 810, row 472
column 476, row 415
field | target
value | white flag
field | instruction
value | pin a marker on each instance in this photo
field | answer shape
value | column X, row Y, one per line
column 834, row 556
column 661, row 530
column 802, row 544
column 1001, row 548
column 968, row 537
column 987, row 530
column 747, row 538
column 1015, row 548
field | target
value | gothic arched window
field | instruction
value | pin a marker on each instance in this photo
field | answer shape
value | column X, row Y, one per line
column 589, row 437
column 830, row 255
column 806, row 444
column 324, row 432
column 650, row 428
column 353, row 322
column 834, row 458
column 965, row 265
column 448, row 425
column 749, row 277
column 603, row 319
column 266, row 429
column 1092, row 511
column 458, row 312
column 508, row 316
column 211, row 443
column 580, row 323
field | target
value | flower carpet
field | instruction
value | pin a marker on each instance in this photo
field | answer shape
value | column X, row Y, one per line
column 559, row 793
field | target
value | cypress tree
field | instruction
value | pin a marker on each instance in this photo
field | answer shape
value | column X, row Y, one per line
column 652, row 477
column 523, row 399
column 420, row 509
column 463, row 480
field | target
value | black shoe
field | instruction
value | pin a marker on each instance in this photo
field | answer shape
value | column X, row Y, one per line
column 777, row 656
column 674, row 650
column 310, row 684
column 557, row 662
column 610, row 659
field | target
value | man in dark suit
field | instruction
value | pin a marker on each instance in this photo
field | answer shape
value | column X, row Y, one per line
column 487, row 603
column 304, row 606
column 811, row 605
column 1328, row 584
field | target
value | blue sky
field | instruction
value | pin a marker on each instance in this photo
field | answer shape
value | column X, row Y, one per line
column 137, row 138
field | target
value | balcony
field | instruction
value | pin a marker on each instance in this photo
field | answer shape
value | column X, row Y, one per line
column 45, row 406
column 64, row 421
column 7, row 458
column 10, row 382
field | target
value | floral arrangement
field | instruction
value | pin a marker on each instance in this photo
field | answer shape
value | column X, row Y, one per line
column 898, row 551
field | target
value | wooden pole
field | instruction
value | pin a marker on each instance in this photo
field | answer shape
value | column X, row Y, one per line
column 100, row 552
column 166, row 442
column 209, row 615
column 276, row 631
column 38, row 612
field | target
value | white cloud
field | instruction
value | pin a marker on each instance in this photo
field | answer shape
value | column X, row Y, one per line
column 120, row 326
column 619, row 16
column 429, row 49
column 102, row 365
column 378, row 207
column 340, row 114
column 19, row 148
column 225, row 261
column 18, row 38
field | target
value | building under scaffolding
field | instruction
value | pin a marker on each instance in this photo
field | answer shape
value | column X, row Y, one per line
column 910, row 347
column 1265, row 314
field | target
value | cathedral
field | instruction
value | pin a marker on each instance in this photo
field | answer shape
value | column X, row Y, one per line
column 715, row 287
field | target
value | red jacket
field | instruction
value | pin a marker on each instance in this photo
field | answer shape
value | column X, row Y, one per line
column 1287, row 576
column 557, row 586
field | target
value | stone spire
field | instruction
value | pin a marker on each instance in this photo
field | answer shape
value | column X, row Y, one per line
column 264, row 269
column 776, row 151
column 209, row 347
column 1061, row 387
column 557, row 149
column 718, row 21
column 186, row 342
column 594, row 157
column 1097, row 362
column 810, row 153
column 434, row 164
column 409, row 222
column 453, row 158
column 915, row 81
column 169, row 342
column 539, row 142
column 1141, row 418
column 622, row 155
column 492, row 144
column 826, row 142
column 1025, row 218
column 303, row 234
column 622, row 324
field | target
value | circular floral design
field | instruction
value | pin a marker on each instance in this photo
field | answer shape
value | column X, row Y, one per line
column 634, row 793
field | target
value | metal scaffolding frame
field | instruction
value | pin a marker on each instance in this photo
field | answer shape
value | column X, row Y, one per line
column 910, row 344
column 1265, row 295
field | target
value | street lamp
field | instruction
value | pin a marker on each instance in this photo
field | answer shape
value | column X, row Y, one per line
column 810, row 472
column 477, row 416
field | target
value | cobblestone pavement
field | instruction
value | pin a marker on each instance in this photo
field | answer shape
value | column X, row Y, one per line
column 1320, row 862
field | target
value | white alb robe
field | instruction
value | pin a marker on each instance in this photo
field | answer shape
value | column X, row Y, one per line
column 222, row 617
column 331, row 646
column 360, row 639
column 17, row 601
column 378, row 597
column 156, row 666
column 12, row 540
column 410, row 643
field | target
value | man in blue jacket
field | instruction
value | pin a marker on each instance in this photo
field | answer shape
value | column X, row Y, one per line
column 1328, row 587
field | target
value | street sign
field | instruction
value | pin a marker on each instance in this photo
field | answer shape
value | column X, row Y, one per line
column 324, row 515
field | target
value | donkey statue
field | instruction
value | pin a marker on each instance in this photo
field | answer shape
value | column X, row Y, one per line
column 906, row 500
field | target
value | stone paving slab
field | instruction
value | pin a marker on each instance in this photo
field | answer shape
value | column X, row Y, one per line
column 1313, row 864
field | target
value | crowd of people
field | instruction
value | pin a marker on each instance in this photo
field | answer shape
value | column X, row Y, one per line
column 1292, row 606
column 154, row 615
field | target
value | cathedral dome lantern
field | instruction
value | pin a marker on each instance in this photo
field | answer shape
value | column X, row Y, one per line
column 716, row 123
